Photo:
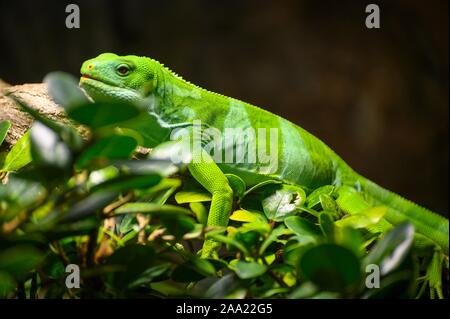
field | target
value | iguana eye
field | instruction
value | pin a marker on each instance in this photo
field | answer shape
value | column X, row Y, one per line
column 123, row 69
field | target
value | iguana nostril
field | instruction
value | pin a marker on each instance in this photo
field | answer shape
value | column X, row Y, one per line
column 90, row 66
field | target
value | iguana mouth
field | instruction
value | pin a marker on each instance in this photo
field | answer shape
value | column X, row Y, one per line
column 89, row 77
column 101, row 90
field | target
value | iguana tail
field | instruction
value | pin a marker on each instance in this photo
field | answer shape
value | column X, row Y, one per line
column 427, row 223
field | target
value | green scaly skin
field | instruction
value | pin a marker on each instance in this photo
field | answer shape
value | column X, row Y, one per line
column 303, row 159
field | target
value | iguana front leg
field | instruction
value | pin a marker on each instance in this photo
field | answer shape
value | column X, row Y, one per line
column 208, row 174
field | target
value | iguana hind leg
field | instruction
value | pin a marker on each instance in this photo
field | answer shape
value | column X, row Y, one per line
column 209, row 175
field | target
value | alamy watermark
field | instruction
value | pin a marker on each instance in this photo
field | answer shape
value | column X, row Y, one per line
column 73, row 278
column 373, row 277
column 373, row 17
column 73, row 17
column 200, row 143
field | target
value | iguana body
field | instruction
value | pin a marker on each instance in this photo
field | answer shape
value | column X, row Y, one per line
column 303, row 159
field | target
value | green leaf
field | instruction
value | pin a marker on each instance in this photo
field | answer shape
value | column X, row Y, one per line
column 19, row 155
column 193, row 270
column 217, row 263
column 168, row 288
column 331, row 267
column 4, row 127
column 102, row 175
column 303, row 228
column 223, row 287
column 326, row 295
column 248, row 238
column 150, row 128
column 20, row 259
column 350, row 238
column 242, row 215
column 392, row 249
column 126, row 224
column 229, row 241
column 314, row 198
column 110, row 147
column 192, row 197
column 260, row 226
column 47, row 148
column 350, row 201
column 246, row 270
column 200, row 212
column 202, row 266
column 237, row 185
column 273, row 237
column 17, row 195
column 100, row 114
column 150, row 275
column 283, row 201
column 309, row 211
column 306, row 290
column 274, row 292
column 74, row 228
column 48, row 176
column 133, row 260
column 282, row 269
column 178, row 225
column 127, row 182
column 151, row 208
column 261, row 185
column 7, row 285
column 64, row 90
column 88, row 206
column 146, row 166
column 53, row 266
column 185, row 274
column 294, row 250
column 364, row 218
column 327, row 226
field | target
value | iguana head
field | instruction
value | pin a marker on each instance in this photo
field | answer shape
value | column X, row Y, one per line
column 111, row 77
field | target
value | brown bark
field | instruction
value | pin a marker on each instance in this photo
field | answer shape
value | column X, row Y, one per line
column 35, row 96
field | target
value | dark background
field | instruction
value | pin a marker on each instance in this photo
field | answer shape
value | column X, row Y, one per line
column 379, row 98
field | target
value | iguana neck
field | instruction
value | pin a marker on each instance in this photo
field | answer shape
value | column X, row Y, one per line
column 177, row 99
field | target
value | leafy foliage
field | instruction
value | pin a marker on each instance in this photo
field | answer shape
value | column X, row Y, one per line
column 135, row 224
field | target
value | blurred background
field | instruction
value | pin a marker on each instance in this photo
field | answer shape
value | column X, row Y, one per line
column 378, row 97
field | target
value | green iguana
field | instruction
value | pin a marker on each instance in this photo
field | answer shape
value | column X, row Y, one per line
column 302, row 159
